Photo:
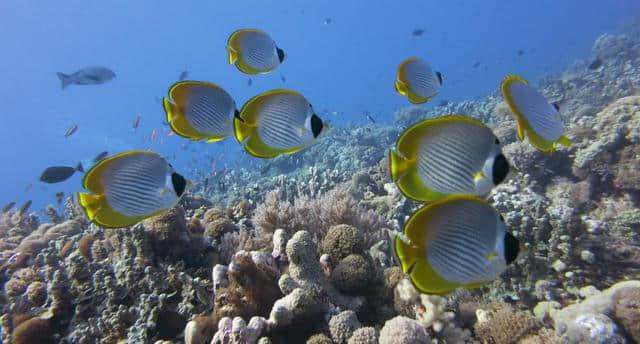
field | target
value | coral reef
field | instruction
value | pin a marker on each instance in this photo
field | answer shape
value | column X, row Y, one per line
column 296, row 249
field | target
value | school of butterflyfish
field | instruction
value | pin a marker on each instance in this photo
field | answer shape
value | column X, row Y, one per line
column 448, row 163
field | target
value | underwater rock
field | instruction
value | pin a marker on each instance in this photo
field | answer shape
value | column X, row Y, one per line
column 199, row 330
column 403, row 330
column 627, row 311
column 617, row 128
column 588, row 319
column 352, row 273
column 501, row 324
column 364, row 335
column 342, row 326
column 319, row 338
column 280, row 246
column 252, row 286
column 169, row 234
column 34, row 330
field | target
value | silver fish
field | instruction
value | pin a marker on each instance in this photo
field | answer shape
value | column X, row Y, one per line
column 72, row 129
column 87, row 76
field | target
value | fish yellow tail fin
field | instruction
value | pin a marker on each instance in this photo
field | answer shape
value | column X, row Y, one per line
column 90, row 203
column 241, row 129
column 407, row 254
column 233, row 55
column 398, row 165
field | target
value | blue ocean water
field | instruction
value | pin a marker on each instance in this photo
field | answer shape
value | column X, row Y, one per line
column 346, row 66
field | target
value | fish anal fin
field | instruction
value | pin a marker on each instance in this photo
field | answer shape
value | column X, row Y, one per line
column 426, row 280
column 416, row 99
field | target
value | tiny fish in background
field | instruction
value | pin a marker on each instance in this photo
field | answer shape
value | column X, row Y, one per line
column 476, row 64
column 59, row 197
column 71, row 131
column 8, row 207
column 28, row 187
column 417, row 32
column 153, row 135
column 100, row 156
column 370, row 118
column 183, row 75
column 87, row 76
column 520, row 52
column 57, row 174
column 597, row 63
column 327, row 21
column 24, row 208
column 249, row 82
column 283, row 78
column 136, row 122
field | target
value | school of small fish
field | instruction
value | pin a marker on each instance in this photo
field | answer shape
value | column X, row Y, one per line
column 449, row 163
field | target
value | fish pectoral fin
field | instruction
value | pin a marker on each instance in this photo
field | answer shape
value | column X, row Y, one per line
column 491, row 256
column 478, row 176
column 300, row 131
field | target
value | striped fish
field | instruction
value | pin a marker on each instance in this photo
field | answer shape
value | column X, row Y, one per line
column 535, row 116
column 130, row 187
column 277, row 122
column 253, row 51
column 447, row 155
column 459, row 241
column 200, row 110
column 417, row 81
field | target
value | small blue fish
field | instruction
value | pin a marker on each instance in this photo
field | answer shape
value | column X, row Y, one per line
column 87, row 76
